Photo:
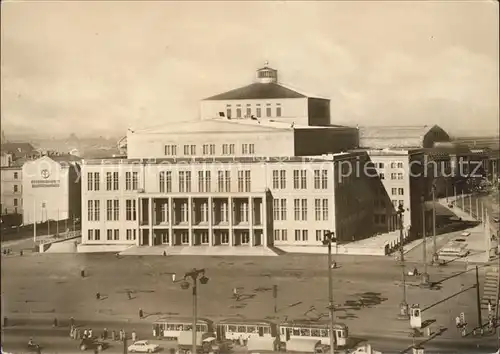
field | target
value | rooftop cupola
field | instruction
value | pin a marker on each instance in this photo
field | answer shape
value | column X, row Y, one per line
column 267, row 75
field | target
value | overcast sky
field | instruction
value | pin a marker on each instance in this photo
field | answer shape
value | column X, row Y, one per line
column 100, row 67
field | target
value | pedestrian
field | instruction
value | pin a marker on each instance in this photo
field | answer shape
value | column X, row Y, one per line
column 141, row 314
column 105, row 334
column 490, row 310
column 71, row 332
column 457, row 321
column 134, row 336
column 78, row 334
column 164, row 253
column 121, row 335
column 98, row 296
column 72, row 322
column 82, row 273
column 84, row 334
column 129, row 295
column 235, row 292
column 55, row 322
column 124, row 336
column 21, row 253
column 90, row 333
column 173, row 278
column 113, row 335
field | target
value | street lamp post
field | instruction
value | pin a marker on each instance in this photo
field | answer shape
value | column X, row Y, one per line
column 435, row 256
column 327, row 241
column 194, row 274
column 425, row 275
column 403, row 307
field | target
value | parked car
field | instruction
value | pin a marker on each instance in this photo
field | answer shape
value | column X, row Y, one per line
column 143, row 346
column 460, row 240
column 92, row 344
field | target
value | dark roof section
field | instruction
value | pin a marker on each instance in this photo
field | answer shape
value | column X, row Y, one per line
column 17, row 149
column 257, row 91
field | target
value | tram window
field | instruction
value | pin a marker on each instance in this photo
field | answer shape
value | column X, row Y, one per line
column 267, row 330
column 231, row 328
column 339, row 334
column 241, row 329
column 199, row 328
column 186, row 327
column 296, row 332
column 282, row 330
column 323, row 333
column 252, row 329
column 305, row 332
column 170, row 327
column 315, row 332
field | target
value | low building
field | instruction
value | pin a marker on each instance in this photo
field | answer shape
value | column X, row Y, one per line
column 11, row 187
column 51, row 188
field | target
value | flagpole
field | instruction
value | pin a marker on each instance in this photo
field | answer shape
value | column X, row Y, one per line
column 34, row 220
column 57, row 223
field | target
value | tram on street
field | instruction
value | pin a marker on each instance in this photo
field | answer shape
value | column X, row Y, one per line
column 243, row 329
column 171, row 327
column 313, row 330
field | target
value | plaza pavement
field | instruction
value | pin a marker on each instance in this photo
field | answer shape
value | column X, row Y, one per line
column 367, row 290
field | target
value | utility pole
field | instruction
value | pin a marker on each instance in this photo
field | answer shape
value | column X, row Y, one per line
column 478, row 300
column 477, row 210
column 435, row 256
column 329, row 238
column 425, row 275
column 34, row 220
column 403, row 307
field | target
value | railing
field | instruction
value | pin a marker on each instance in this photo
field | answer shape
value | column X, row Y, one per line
column 61, row 237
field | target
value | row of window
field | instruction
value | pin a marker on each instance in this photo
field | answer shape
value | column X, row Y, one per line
column 209, row 149
column 204, row 180
column 257, row 111
column 300, row 235
column 381, row 203
column 392, row 165
column 300, row 209
column 112, row 181
column 112, row 210
column 111, row 234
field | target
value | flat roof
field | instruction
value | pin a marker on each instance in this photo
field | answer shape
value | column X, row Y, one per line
column 391, row 152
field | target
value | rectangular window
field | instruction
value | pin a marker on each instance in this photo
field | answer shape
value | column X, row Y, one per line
column 97, row 234
column 90, row 181
column 186, row 149
column 400, row 175
column 276, row 209
column 258, row 112
column 15, row 201
column 278, row 111
column 304, row 209
column 16, row 188
column 128, row 181
column 116, row 234
column 116, row 210
column 276, row 235
column 324, row 179
column 268, row 111
column 131, row 234
column 317, row 179
column 115, row 181
column 90, row 210
column 204, row 181
column 305, row 235
column 109, row 210
column 325, row 209
column 394, row 191
column 400, row 165
column 393, row 176
column 320, row 235
column 228, row 112
column 402, row 203
column 97, row 181
column 238, row 112
column 224, row 181
column 185, row 181
column 248, row 182
column 249, row 112
column 131, row 209
column 401, row 191
column 16, row 175
column 303, row 179
column 283, row 209
column 90, row 235
column 244, row 149
column 170, row 150
column 109, row 235
column 276, row 179
column 296, row 179
column 109, row 181
column 135, row 181
column 296, row 209
column 297, row 235
column 317, row 209
column 165, row 181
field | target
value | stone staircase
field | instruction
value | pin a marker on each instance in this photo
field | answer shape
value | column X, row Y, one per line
column 490, row 289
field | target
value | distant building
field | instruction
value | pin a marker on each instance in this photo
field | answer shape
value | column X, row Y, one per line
column 11, row 186
column 51, row 188
column 18, row 150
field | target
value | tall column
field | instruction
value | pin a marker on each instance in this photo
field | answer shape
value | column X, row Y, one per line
column 210, row 210
column 170, row 212
column 150, row 221
column 250, row 222
column 139, row 221
column 263, row 209
column 190, row 219
column 230, row 212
